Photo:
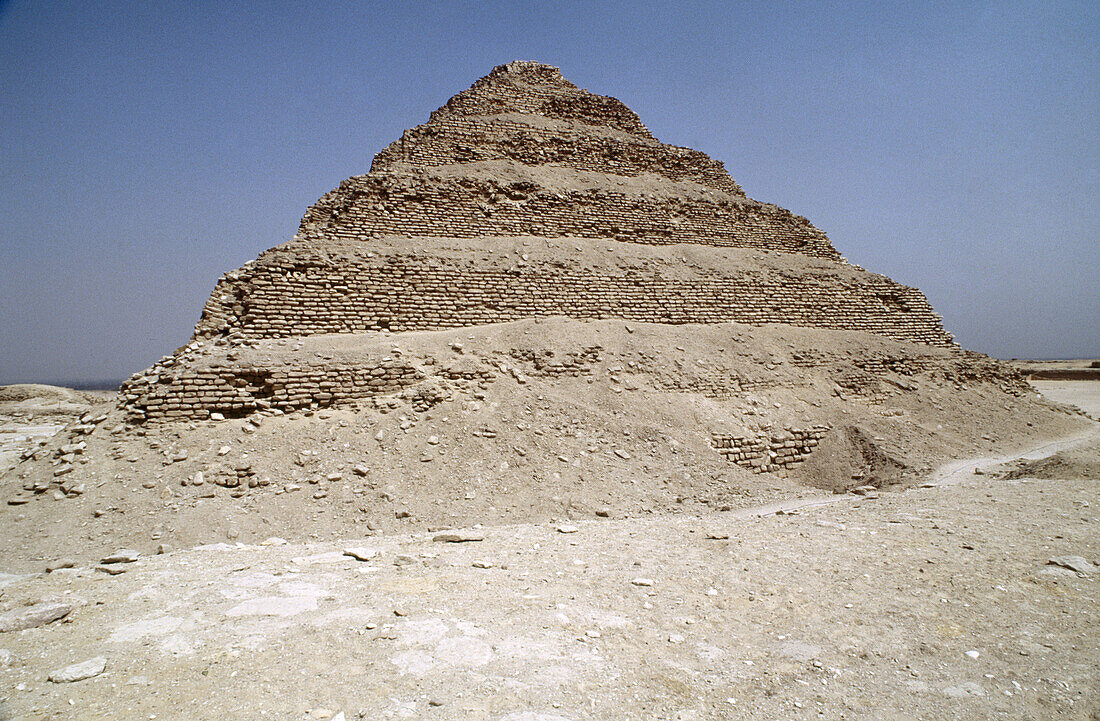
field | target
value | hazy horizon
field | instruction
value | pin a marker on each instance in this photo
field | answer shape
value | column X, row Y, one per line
column 146, row 149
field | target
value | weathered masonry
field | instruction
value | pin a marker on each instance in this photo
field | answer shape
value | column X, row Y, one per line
column 523, row 196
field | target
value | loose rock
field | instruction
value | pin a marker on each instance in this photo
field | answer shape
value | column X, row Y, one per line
column 34, row 616
column 80, row 671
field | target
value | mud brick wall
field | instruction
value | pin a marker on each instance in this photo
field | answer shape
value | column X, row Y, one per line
column 384, row 204
column 287, row 294
column 870, row 361
column 236, row 390
column 720, row 385
column 770, row 452
column 464, row 140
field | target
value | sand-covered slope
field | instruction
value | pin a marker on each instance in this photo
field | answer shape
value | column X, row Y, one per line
column 525, row 421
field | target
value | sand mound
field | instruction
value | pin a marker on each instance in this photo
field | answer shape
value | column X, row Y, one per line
column 42, row 394
column 1076, row 464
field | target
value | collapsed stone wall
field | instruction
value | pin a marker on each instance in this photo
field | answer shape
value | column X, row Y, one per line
column 465, row 140
column 293, row 294
column 238, row 389
column 769, row 452
column 384, row 204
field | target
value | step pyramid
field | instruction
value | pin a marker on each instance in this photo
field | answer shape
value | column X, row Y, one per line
column 524, row 196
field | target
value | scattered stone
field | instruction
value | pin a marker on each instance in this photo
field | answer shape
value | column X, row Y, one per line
column 362, row 554
column 224, row 450
column 7, row 658
column 717, row 535
column 123, row 555
column 59, row 564
column 274, row 541
column 603, row 512
column 1074, row 563
column 403, row 560
column 642, row 581
column 34, row 616
column 566, row 528
column 973, row 654
column 80, row 671
column 334, row 476
column 360, row 470
column 458, row 537
column 112, row 570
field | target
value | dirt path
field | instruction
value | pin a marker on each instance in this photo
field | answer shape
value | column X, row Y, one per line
column 861, row 608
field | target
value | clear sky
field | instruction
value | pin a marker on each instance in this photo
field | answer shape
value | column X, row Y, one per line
column 148, row 147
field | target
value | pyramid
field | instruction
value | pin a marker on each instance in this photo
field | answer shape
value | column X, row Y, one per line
column 522, row 197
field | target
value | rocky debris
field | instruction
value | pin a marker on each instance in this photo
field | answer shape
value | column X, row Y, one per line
column 458, row 537
column 34, row 616
column 1077, row 564
column 762, row 616
column 123, row 555
column 60, row 564
column 80, row 671
column 362, row 554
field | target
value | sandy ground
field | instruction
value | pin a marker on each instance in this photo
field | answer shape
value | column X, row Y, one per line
column 1083, row 394
column 936, row 602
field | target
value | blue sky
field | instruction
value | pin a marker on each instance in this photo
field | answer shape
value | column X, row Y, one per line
column 148, row 147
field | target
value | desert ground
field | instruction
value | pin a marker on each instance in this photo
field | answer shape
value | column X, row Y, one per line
column 970, row 592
